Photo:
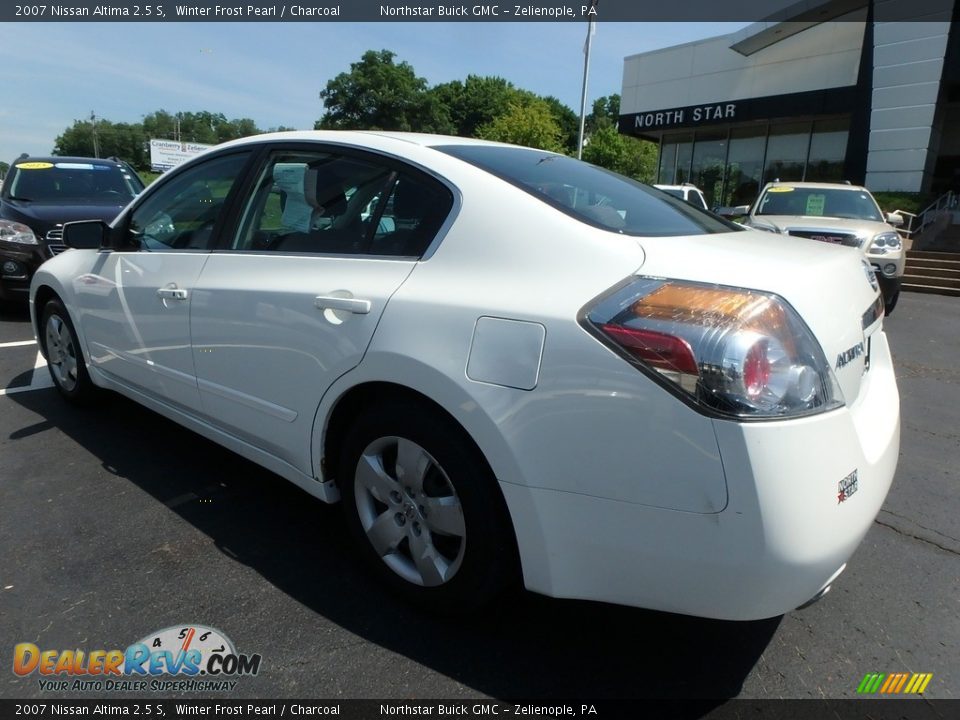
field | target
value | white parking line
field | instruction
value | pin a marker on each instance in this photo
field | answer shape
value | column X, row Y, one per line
column 18, row 343
column 40, row 380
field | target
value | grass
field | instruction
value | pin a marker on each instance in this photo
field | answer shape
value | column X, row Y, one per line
column 911, row 202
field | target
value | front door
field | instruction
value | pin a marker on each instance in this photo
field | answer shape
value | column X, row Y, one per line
column 135, row 305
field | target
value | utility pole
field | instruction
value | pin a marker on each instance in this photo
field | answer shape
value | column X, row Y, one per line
column 586, row 71
column 96, row 141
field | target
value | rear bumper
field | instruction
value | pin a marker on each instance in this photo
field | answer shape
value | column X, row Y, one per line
column 784, row 535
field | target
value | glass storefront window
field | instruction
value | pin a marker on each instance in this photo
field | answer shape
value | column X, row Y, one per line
column 787, row 148
column 828, row 147
column 732, row 167
column 684, row 156
column 744, row 166
column 709, row 158
column 668, row 162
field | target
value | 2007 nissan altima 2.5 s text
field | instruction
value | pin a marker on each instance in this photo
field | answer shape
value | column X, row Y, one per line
column 504, row 363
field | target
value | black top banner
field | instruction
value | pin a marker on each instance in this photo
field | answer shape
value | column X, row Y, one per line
column 447, row 11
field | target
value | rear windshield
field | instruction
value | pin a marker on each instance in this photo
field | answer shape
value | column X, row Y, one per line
column 590, row 194
column 35, row 181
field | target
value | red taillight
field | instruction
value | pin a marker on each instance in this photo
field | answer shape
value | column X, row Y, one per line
column 658, row 350
column 739, row 352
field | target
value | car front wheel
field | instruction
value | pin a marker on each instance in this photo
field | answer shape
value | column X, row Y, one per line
column 425, row 510
column 64, row 357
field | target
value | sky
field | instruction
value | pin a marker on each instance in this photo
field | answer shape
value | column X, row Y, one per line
column 55, row 73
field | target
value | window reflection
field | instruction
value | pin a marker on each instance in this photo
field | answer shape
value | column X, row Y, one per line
column 732, row 165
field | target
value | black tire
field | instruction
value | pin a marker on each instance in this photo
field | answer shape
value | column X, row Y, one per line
column 64, row 356
column 890, row 290
column 891, row 302
column 468, row 560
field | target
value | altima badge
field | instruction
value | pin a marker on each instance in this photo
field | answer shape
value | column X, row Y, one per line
column 849, row 355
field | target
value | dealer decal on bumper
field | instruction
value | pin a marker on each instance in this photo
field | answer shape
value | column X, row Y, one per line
column 847, row 487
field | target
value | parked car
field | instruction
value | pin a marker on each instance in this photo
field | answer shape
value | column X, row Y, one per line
column 687, row 191
column 837, row 213
column 610, row 393
column 39, row 195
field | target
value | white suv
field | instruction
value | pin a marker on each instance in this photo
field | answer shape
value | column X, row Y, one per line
column 836, row 213
column 686, row 191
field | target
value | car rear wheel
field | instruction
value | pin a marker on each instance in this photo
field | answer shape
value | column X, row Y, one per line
column 64, row 357
column 425, row 510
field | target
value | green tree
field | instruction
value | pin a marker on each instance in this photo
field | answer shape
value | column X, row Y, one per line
column 122, row 140
column 605, row 112
column 199, row 127
column 530, row 123
column 606, row 148
column 379, row 94
column 474, row 102
column 4, row 167
column 567, row 120
column 621, row 154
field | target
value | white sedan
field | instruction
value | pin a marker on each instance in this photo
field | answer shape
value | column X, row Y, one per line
column 506, row 363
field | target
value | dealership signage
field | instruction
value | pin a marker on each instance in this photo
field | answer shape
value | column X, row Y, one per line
column 831, row 101
column 167, row 154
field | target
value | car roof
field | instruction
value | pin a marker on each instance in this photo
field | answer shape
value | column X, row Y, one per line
column 364, row 137
column 816, row 185
column 682, row 186
column 64, row 159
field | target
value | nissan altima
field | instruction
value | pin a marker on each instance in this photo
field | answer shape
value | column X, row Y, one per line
column 505, row 364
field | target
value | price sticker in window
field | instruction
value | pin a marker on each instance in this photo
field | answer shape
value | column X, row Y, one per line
column 815, row 205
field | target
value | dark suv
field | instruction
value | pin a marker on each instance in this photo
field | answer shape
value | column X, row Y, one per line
column 39, row 195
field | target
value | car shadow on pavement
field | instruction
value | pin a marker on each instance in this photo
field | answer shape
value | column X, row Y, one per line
column 535, row 647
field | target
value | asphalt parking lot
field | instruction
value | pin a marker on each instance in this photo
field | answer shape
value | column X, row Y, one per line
column 115, row 523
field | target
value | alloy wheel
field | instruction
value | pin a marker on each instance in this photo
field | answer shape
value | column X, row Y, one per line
column 410, row 511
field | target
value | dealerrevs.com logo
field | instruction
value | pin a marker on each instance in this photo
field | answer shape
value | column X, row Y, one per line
column 182, row 658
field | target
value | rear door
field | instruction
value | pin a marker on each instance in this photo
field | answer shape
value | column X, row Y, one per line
column 291, row 300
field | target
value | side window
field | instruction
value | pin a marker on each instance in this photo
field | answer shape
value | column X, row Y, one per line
column 324, row 203
column 183, row 213
column 313, row 202
column 412, row 215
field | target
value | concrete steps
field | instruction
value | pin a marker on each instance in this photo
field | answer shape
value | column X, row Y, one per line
column 932, row 272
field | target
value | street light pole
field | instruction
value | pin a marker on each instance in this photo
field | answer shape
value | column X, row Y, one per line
column 96, row 142
column 586, row 72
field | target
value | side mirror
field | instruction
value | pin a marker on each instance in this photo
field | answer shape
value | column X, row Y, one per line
column 895, row 219
column 86, row 234
column 732, row 212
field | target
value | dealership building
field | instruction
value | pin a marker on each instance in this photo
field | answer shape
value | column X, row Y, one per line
column 850, row 90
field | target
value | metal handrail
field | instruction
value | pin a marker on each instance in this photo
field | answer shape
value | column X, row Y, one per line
column 945, row 203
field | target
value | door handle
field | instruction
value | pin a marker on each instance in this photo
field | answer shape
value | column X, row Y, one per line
column 352, row 305
column 168, row 293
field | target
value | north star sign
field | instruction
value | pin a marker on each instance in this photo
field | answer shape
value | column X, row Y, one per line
column 685, row 116
column 810, row 103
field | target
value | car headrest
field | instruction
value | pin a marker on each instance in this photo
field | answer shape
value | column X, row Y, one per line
column 324, row 192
